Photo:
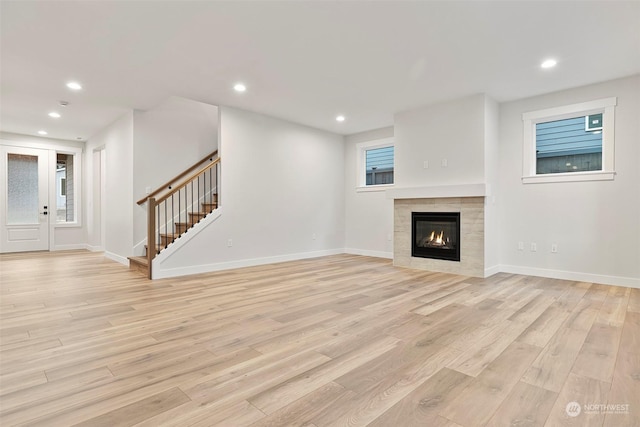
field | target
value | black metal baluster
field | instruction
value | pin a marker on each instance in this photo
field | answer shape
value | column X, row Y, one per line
column 173, row 221
column 158, row 230
column 179, row 211
column 165, row 222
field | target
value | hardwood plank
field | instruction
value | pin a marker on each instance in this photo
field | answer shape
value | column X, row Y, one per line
column 47, row 391
column 138, row 411
column 580, row 390
column 476, row 404
column 614, row 306
column 300, row 412
column 421, row 406
column 526, row 405
column 630, row 339
column 378, row 396
column 18, row 381
column 553, row 364
column 257, row 380
column 493, row 341
column 597, row 357
column 284, row 393
column 545, row 326
column 634, row 301
column 625, row 392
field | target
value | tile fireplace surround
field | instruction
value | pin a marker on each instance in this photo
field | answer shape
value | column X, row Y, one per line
column 471, row 210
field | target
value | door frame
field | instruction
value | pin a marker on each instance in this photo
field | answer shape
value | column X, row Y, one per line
column 42, row 226
column 54, row 148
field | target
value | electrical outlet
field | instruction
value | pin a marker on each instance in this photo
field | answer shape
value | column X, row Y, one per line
column 313, row 236
column 425, row 164
column 554, row 248
column 534, row 247
column 521, row 246
column 229, row 243
column 445, row 163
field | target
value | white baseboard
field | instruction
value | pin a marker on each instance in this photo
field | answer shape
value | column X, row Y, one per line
column 572, row 275
column 158, row 273
column 95, row 248
column 73, row 247
column 364, row 252
column 117, row 258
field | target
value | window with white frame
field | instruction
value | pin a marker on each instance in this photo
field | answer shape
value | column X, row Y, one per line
column 67, row 197
column 570, row 143
column 375, row 164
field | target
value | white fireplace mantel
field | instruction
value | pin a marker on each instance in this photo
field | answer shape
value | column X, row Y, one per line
column 438, row 191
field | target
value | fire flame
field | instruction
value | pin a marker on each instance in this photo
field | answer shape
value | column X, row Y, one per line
column 436, row 239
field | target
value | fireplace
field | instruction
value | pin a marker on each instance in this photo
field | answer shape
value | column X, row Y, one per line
column 435, row 235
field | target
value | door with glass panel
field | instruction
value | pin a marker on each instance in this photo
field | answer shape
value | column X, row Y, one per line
column 24, row 210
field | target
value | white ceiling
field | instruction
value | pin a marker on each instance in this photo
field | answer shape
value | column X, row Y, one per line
column 303, row 61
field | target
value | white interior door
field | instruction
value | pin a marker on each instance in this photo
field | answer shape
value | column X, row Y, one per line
column 24, row 213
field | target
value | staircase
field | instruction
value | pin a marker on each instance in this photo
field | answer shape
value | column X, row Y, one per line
column 178, row 208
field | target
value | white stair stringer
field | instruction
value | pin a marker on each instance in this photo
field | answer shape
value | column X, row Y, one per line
column 184, row 239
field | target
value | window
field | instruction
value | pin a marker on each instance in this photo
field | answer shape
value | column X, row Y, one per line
column 375, row 164
column 66, row 203
column 570, row 143
column 379, row 166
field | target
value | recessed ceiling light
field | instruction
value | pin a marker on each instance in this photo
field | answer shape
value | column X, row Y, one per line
column 79, row 138
column 74, row 86
column 549, row 63
column 239, row 87
column 340, row 118
column 42, row 132
column 54, row 115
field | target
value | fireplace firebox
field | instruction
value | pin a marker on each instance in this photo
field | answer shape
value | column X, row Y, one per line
column 435, row 235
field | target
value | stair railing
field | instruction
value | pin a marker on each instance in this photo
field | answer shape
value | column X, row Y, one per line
column 181, row 208
column 170, row 184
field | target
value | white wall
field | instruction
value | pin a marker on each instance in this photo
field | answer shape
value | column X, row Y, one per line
column 492, row 180
column 281, row 184
column 167, row 140
column 94, row 201
column 368, row 215
column 117, row 140
column 595, row 224
column 453, row 131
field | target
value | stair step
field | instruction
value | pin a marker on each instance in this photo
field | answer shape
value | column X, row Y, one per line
column 139, row 263
column 181, row 227
column 196, row 216
column 209, row 207
column 167, row 238
column 159, row 247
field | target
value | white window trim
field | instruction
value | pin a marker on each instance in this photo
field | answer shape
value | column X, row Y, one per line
column 530, row 119
column 361, row 175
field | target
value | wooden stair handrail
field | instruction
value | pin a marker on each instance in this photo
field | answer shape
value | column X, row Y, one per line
column 188, row 180
column 180, row 176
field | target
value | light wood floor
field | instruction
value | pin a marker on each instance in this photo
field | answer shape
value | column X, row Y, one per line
column 342, row 340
